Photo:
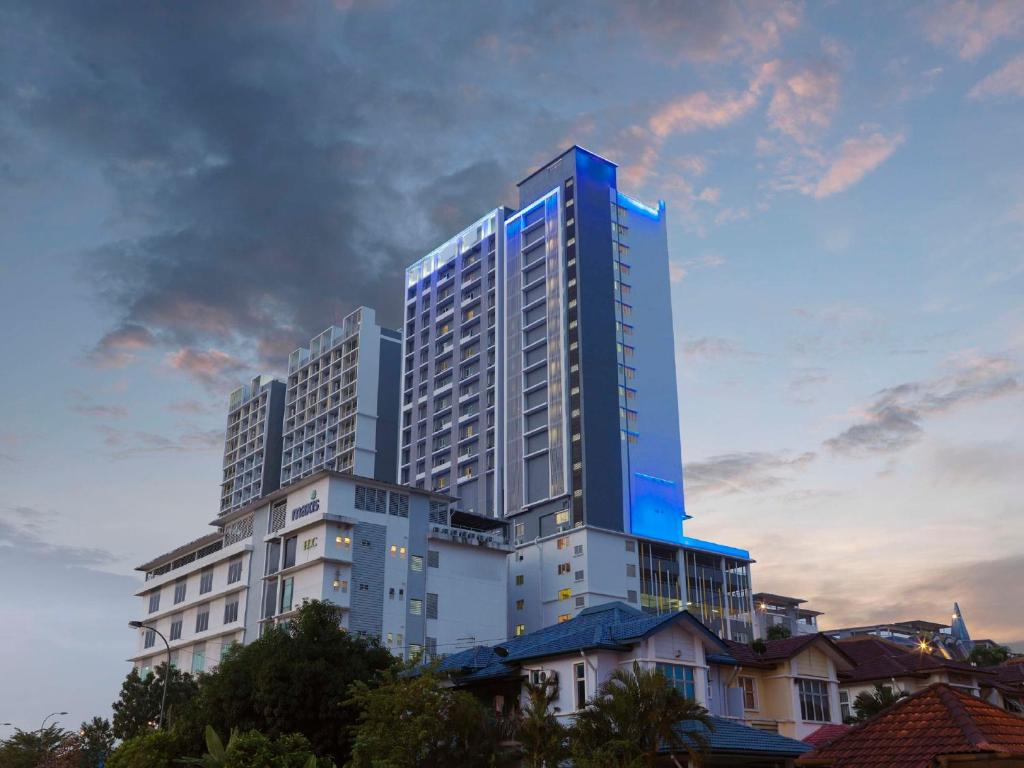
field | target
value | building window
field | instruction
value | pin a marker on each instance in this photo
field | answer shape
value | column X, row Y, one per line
column 198, row 658
column 235, row 571
column 179, row 591
column 290, row 548
column 520, row 604
column 631, row 571
column 630, row 545
column 287, row 587
column 520, row 630
column 844, row 705
column 520, row 530
column 231, row 611
column 519, row 580
column 562, row 517
column 154, row 602
column 433, row 558
column 431, row 605
column 564, row 594
column 149, row 640
column 206, row 581
column 680, row 677
column 564, row 568
column 578, row 576
column 814, row 701
column 415, row 606
column 564, row 617
column 577, row 550
column 579, row 676
column 415, row 563
column 203, row 618
column 580, row 601
column 749, row 686
column 631, row 595
column 176, row 623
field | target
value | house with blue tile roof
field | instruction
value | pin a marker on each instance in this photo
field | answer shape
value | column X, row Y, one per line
column 580, row 653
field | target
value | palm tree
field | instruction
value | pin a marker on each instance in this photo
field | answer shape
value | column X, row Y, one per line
column 635, row 714
column 541, row 736
column 868, row 704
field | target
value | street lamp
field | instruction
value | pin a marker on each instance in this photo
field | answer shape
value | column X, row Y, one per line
column 43, row 726
column 167, row 671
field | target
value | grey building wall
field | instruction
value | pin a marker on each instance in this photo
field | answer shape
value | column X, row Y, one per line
column 388, row 394
column 367, row 586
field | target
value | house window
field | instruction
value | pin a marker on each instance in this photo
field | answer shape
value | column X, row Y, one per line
column 206, row 581
column 577, row 550
column 234, row 571
column 563, row 542
column 520, row 630
column 179, row 591
column 564, row 568
column 154, row 602
column 519, row 580
column 579, row 676
column 198, row 658
column 564, row 617
column 564, row 594
column 679, row 677
column 749, row 686
column 176, row 623
column 844, row 705
column 578, row 576
column 520, row 604
column 814, row 700
column 231, row 611
column 203, row 618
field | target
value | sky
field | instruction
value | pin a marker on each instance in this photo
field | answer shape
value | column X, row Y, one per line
column 189, row 191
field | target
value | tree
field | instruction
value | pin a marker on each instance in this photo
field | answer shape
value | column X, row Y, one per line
column 989, row 655
column 542, row 738
column 778, row 632
column 635, row 714
column 291, row 680
column 870, row 703
column 96, row 740
column 138, row 706
column 152, row 749
column 412, row 721
column 254, row 750
column 27, row 749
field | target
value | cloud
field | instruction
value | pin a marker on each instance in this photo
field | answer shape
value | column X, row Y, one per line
column 804, row 383
column 120, row 346
column 713, row 347
column 213, row 368
column 1008, row 80
column 970, row 28
column 977, row 463
column 804, row 102
column 101, row 411
column 856, row 158
column 702, row 110
column 26, row 530
column 132, row 444
column 893, row 420
column 678, row 270
column 750, row 472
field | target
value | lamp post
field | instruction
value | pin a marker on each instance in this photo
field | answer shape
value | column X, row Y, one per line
column 43, row 726
column 167, row 669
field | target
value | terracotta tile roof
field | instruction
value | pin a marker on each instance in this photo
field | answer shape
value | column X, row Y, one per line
column 878, row 659
column 934, row 722
column 826, row 734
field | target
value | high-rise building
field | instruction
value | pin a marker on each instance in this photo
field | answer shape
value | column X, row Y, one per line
column 450, row 412
column 341, row 407
column 580, row 422
column 252, row 442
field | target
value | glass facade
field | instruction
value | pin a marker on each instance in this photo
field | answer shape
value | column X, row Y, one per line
column 718, row 592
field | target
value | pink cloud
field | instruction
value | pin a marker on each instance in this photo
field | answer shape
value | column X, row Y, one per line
column 970, row 28
column 803, row 103
column 211, row 367
column 120, row 346
column 857, row 157
column 1008, row 80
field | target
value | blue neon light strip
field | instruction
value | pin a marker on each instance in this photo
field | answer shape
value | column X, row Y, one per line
column 661, row 480
column 720, row 549
column 628, row 202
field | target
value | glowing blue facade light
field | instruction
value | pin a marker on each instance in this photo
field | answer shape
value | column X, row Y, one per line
column 719, row 549
column 635, row 205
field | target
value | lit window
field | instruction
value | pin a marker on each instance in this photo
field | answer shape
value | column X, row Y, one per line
column 563, row 542
column 344, row 541
column 564, row 617
column 519, row 580
column 564, row 594
column 520, row 630
column 394, row 549
column 415, row 606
